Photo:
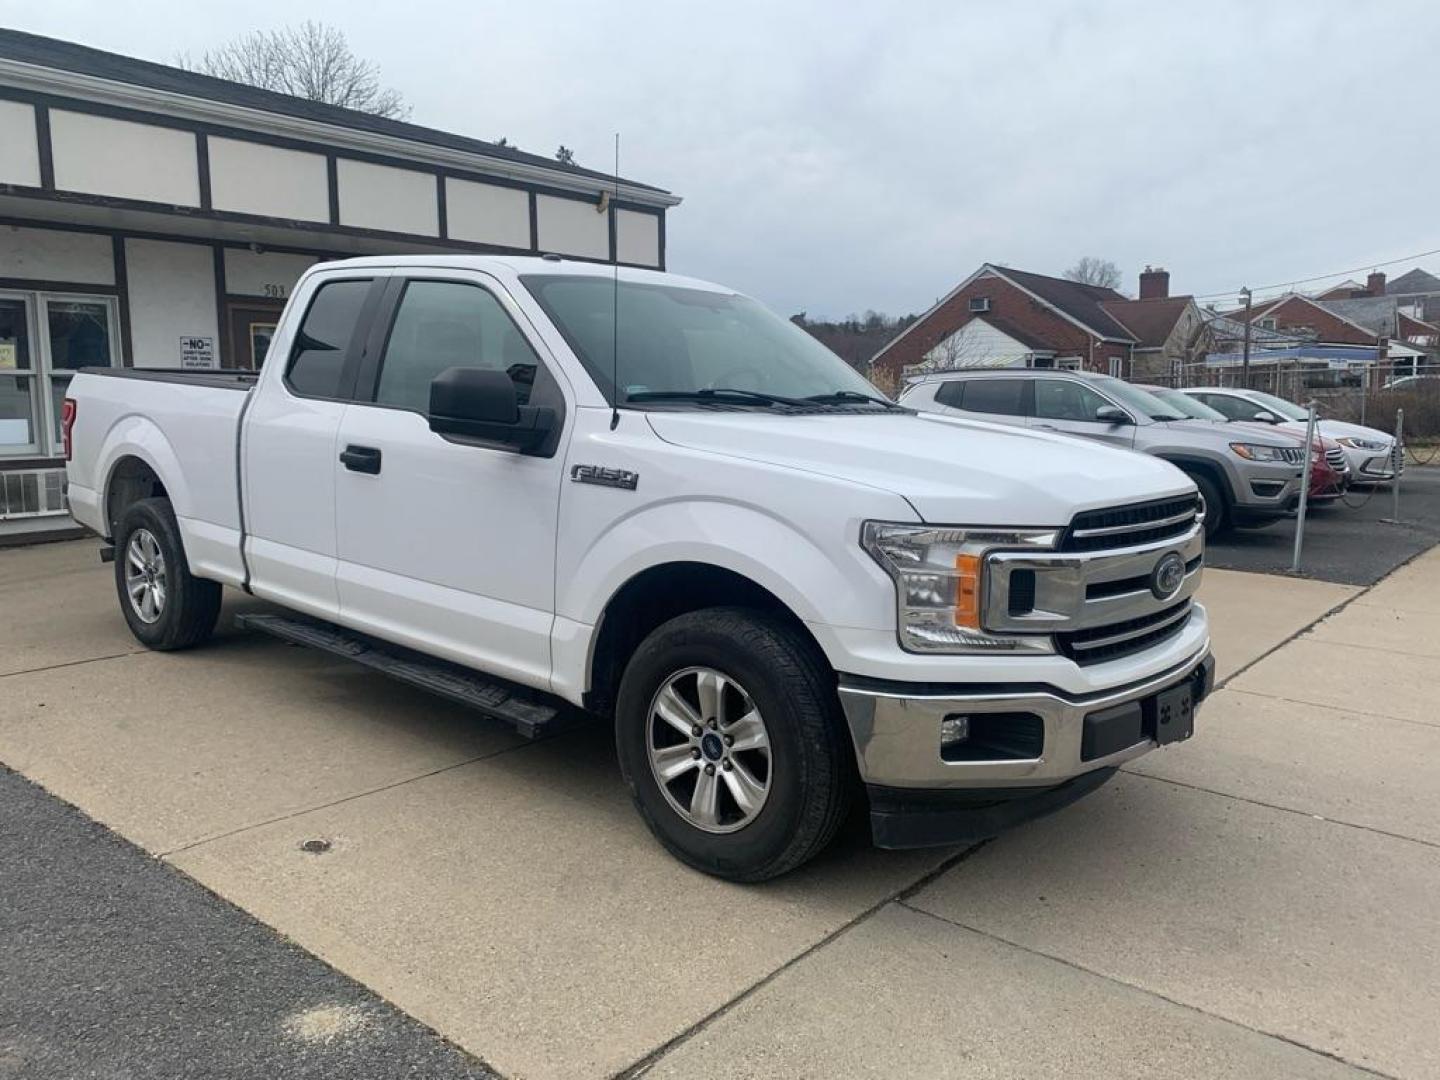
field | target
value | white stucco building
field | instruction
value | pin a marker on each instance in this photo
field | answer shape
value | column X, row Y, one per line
column 154, row 217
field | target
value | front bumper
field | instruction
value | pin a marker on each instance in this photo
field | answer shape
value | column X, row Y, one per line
column 1266, row 489
column 920, row 798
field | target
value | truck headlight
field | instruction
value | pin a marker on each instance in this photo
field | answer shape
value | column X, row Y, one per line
column 1355, row 442
column 1256, row 452
column 939, row 575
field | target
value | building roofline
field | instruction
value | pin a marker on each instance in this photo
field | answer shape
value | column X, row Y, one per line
column 50, row 65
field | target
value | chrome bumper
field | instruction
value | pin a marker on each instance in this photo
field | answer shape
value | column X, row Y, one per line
column 897, row 731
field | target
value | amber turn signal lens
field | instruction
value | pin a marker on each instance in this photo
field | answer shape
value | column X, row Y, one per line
column 967, row 591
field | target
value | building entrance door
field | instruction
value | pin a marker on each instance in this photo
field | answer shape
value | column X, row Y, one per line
column 252, row 325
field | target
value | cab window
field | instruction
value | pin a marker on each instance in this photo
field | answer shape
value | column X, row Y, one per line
column 1233, row 408
column 317, row 365
column 445, row 324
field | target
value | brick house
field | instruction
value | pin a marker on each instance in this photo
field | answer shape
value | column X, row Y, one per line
column 1003, row 317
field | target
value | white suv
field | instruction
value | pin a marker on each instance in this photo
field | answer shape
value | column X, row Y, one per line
column 1371, row 453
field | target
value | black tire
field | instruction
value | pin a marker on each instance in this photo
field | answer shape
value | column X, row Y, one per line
column 810, row 768
column 190, row 606
column 1217, row 515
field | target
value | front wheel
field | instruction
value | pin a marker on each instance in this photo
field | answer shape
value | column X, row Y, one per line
column 1212, row 502
column 730, row 737
column 165, row 605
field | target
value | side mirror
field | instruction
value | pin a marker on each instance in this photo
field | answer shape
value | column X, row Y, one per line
column 1110, row 414
column 480, row 404
column 1266, row 417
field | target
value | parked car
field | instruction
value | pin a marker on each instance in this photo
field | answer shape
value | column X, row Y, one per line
column 1250, row 480
column 1371, row 453
column 1329, row 469
column 778, row 584
column 1414, row 382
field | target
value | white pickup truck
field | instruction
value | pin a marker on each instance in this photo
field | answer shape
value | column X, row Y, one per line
column 559, row 492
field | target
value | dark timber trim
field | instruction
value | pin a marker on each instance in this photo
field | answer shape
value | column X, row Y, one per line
column 332, row 185
column 534, row 223
column 122, row 289
column 43, row 147
column 442, row 218
column 202, row 169
column 221, row 329
column 612, row 224
column 47, row 285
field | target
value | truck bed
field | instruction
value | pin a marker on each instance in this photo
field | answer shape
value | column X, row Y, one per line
column 183, row 425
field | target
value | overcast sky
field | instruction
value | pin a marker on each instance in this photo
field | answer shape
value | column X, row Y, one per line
column 835, row 157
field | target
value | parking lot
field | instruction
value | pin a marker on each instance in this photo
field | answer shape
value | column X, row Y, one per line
column 1258, row 902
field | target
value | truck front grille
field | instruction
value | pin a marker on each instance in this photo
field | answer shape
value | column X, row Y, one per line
column 1101, row 643
column 1138, row 523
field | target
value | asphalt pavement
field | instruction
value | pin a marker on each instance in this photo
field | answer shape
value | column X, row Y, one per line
column 115, row 965
column 1350, row 540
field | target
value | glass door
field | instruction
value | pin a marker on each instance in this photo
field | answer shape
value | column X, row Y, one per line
column 19, row 415
column 80, row 333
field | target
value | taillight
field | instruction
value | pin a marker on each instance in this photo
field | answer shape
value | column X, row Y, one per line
column 67, row 421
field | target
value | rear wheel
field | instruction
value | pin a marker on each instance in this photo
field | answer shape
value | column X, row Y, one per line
column 165, row 606
column 730, row 738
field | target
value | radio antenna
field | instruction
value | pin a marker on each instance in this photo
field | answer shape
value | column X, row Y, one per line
column 615, row 297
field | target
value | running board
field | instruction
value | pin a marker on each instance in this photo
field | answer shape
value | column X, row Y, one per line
column 528, row 710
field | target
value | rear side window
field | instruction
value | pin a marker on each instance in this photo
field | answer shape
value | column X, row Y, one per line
column 1003, row 396
column 951, row 394
column 445, row 324
column 317, row 358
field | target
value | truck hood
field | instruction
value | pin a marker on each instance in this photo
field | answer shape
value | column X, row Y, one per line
column 950, row 470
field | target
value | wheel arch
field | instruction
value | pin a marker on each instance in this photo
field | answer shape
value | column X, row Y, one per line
column 654, row 596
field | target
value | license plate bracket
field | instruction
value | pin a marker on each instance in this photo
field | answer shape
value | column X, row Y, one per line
column 1174, row 714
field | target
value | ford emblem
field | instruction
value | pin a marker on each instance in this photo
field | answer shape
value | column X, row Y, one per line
column 1168, row 576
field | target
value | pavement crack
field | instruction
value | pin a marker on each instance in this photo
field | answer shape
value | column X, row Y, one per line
column 643, row 1065
column 1152, row 993
column 72, row 663
column 1285, row 809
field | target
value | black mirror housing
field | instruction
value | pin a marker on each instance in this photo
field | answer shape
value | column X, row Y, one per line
column 480, row 404
column 1112, row 415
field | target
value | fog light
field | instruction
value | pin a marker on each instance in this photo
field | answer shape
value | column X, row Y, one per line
column 954, row 729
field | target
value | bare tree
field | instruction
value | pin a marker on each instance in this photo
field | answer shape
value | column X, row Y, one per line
column 1092, row 271
column 311, row 61
column 565, row 155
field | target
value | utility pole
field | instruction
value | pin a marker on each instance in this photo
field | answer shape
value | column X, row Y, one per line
column 1245, row 362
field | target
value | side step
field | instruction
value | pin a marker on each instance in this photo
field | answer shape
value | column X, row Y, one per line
column 532, row 714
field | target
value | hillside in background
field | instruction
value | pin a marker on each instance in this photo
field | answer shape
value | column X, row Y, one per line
column 857, row 338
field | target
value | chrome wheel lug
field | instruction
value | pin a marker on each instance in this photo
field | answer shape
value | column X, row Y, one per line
column 729, row 740
column 727, row 765
column 697, row 731
column 695, row 753
column 709, row 770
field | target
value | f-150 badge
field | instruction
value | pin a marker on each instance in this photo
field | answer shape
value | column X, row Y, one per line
column 605, row 477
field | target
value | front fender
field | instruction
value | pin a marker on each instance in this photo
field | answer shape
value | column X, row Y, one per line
column 833, row 582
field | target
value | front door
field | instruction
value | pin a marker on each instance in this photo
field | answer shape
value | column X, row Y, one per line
column 251, row 326
column 448, row 546
column 1069, row 406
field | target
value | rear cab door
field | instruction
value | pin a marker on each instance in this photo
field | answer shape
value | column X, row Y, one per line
column 289, row 433
column 448, row 545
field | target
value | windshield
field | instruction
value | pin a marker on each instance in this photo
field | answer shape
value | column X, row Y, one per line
column 675, row 341
column 1137, row 400
column 1195, row 410
column 1279, row 406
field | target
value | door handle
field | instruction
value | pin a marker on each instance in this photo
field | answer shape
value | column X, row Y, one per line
column 364, row 459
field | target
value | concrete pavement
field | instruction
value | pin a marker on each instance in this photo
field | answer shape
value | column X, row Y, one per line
column 1251, row 903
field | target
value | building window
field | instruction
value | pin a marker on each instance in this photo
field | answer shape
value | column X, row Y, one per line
column 979, row 303
column 44, row 339
column 1267, row 324
column 1117, row 367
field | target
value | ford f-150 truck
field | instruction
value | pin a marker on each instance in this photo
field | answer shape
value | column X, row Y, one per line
column 558, row 491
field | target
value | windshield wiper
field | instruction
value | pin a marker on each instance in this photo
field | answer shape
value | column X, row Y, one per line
column 840, row 397
column 722, row 394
